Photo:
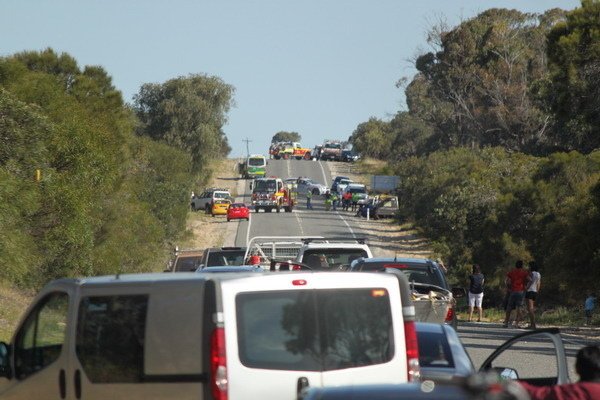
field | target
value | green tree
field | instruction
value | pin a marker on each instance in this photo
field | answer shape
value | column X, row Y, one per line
column 573, row 91
column 373, row 138
column 285, row 136
column 188, row 113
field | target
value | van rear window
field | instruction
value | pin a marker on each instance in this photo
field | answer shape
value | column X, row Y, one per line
column 314, row 330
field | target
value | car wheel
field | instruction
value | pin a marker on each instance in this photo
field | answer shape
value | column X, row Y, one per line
column 207, row 209
column 228, row 219
column 248, row 219
column 316, row 192
column 278, row 208
column 307, row 156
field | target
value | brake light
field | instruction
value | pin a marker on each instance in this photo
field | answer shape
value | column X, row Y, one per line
column 299, row 282
column 395, row 266
column 218, row 365
column 412, row 351
column 450, row 315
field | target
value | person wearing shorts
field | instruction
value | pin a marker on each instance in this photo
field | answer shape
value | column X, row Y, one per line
column 533, row 288
column 476, row 282
column 516, row 278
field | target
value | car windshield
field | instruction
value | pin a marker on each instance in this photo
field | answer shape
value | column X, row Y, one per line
column 226, row 257
column 265, row 185
column 418, row 273
column 256, row 162
column 333, row 146
column 221, row 195
column 331, row 259
column 357, row 190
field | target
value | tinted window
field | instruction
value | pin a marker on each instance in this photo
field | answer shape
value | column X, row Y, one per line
column 265, row 185
column 418, row 273
column 256, row 162
column 39, row 342
column 317, row 330
column 186, row 264
column 221, row 195
column 110, row 338
column 434, row 350
column 223, row 258
column 331, row 259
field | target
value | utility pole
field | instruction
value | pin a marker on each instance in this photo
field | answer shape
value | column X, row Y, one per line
column 247, row 147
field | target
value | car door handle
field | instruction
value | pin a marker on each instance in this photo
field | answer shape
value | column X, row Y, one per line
column 62, row 384
column 301, row 386
column 77, row 379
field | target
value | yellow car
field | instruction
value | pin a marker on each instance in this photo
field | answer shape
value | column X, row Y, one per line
column 220, row 207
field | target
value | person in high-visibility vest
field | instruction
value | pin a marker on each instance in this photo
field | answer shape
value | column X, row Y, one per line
column 309, row 200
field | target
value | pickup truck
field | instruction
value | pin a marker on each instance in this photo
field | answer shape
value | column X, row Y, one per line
column 433, row 297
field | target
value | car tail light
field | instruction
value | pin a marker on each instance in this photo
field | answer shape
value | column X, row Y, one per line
column 218, row 365
column 412, row 351
column 449, row 315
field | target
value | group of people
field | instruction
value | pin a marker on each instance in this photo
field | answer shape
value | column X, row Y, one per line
column 522, row 288
column 332, row 200
column 521, row 285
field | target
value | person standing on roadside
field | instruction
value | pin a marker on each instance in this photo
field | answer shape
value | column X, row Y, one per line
column 309, row 200
column 476, row 282
column 533, row 288
column 516, row 278
column 588, row 308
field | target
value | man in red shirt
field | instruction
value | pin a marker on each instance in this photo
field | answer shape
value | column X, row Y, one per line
column 587, row 365
column 516, row 280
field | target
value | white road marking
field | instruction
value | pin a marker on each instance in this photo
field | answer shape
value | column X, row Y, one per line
column 337, row 212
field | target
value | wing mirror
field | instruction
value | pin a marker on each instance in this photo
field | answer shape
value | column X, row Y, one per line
column 5, row 370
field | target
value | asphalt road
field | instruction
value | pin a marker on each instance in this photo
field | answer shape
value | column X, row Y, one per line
column 301, row 222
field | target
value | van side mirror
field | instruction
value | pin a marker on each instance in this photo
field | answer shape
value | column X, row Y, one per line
column 5, row 370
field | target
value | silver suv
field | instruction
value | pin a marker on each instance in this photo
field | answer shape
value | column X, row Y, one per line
column 206, row 199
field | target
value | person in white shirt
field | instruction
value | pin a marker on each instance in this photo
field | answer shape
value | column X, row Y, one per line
column 533, row 287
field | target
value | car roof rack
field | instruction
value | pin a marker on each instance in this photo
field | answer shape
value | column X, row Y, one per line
column 333, row 240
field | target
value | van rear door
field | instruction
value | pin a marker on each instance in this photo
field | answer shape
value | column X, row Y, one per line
column 288, row 330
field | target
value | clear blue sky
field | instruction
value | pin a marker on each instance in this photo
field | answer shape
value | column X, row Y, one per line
column 317, row 67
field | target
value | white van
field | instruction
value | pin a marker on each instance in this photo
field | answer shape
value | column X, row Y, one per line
column 210, row 336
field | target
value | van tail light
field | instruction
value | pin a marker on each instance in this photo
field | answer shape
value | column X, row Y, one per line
column 218, row 365
column 412, row 351
column 449, row 315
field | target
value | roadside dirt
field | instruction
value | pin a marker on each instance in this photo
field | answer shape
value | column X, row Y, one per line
column 203, row 230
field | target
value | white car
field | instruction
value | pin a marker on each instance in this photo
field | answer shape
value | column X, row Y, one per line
column 360, row 190
column 306, row 184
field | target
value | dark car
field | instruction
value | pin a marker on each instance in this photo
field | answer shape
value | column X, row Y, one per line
column 238, row 268
column 336, row 180
column 495, row 380
column 349, row 155
column 424, row 275
column 223, row 256
column 442, row 355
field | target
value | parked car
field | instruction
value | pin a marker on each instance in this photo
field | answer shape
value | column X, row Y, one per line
column 185, row 260
column 383, row 206
column 358, row 189
column 349, row 156
column 204, row 201
column 425, row 277
column 336, row 180
column 223, row 256
column 490, row 383
column 238, row 211
column 210, row 336
column 220, row 207
column 442, row 356
column 304, row 185
column 240, row 268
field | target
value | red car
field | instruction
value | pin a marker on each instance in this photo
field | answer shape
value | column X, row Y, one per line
column 238, row 211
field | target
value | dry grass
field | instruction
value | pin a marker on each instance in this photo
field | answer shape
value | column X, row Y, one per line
column 14, row 302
